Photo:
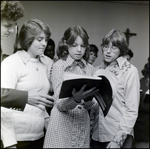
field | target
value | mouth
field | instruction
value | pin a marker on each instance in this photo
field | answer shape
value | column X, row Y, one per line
column 41, row 50
column 6, row 34
column 78, row 54
column 107, row 56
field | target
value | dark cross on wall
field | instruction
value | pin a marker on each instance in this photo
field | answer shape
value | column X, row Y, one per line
column 128, row 35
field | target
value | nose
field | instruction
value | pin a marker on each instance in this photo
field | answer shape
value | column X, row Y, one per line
column 79, row 48
column 44, row 43
column 108, row 50
column 93, row 56
column 11, row 30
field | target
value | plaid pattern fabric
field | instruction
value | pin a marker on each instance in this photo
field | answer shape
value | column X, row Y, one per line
column 74, row 65
column 69, row 125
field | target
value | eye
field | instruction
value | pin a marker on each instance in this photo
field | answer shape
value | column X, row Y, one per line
column 8, row 26
column 105, row 46
column 39, row 39
column 74, row 45
column 83, row 46
column 114, row 48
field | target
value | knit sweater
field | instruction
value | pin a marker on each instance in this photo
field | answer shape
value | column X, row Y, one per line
column 21, row 72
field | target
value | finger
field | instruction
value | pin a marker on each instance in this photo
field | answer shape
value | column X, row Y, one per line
column 73, row 91
column 47, row 96
column 48, row 104
column 45, row 101
column 91, row 91
column 94, row 91
column 52, row 100
column 83, row 87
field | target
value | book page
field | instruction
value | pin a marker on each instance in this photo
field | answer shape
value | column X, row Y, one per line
column 70, row 76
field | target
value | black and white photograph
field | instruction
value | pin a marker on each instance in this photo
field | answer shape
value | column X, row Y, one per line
column 75, row 74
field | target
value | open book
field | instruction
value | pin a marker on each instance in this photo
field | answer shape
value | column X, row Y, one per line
column 103, row 97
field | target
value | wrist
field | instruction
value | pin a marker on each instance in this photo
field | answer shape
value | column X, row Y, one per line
column 76, row 100
column 120, row 138
column 116, row 142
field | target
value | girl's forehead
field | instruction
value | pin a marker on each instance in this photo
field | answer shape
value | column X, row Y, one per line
column 78, row 40
column 41, row 33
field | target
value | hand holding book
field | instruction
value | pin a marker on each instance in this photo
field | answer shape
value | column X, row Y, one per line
column 104, row 81
column 81, row 94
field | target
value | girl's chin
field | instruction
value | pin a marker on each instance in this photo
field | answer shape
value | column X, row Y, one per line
column 107, row 60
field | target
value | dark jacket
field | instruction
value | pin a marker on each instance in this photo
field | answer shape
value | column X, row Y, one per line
column 141, row 129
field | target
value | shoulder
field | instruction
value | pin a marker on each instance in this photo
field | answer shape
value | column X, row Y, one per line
column 90, row 66
column 48, row 60
column 97, row 67
column 127, row 67
column 60, row 63
column 11, row 60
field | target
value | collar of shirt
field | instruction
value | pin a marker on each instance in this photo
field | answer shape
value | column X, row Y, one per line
column 70, row 60
column 119, row 61
column 25, row 57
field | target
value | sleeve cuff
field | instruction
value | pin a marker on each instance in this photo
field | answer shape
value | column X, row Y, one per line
column 120, row 138
column 88, row 105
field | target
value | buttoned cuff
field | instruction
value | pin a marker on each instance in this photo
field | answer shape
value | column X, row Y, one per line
column 120, row 138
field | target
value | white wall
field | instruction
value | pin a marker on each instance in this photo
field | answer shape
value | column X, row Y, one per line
column 97, row 18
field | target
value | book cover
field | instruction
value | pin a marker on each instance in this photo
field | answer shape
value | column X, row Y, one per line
column 101, row 82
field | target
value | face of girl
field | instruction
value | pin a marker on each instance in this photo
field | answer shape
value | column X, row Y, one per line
column 92, row 57
column 77, row 49
column 110, row 53
column 38, row 45
column 7, row 28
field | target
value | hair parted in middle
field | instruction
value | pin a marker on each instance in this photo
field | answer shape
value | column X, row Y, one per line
column 30, row 30
column 118, row 39
column 70, row 36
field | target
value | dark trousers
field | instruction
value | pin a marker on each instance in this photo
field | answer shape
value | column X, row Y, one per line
column 29, row 144
column 97, row 144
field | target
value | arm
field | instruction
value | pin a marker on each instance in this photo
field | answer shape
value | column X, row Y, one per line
column 16, row 98
column 11, row 98
column 7, row 128
column 131, row 92
column 57, row 78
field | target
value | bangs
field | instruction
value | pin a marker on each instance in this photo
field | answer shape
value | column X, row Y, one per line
column 71, row 38
column 118, row 39
column 74, row 33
